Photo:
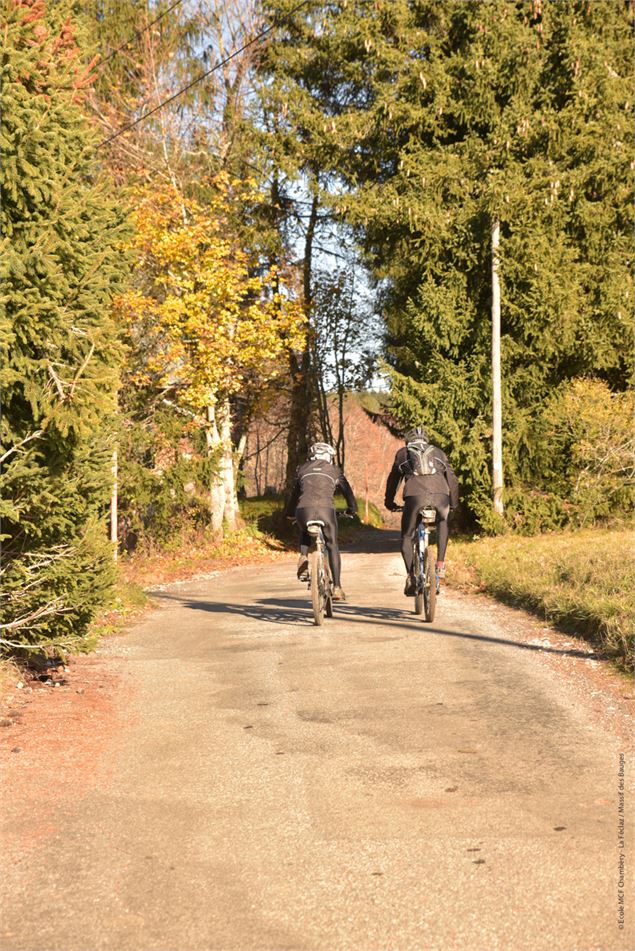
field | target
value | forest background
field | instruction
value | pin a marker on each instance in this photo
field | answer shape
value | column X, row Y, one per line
column 225, row 222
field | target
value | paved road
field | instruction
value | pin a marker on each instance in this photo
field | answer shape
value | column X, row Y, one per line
column 377, row 784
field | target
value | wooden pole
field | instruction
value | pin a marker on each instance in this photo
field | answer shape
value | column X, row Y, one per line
column 497, row 438
column 114, row 498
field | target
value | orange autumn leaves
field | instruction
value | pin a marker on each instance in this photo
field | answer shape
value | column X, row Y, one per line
column 207, row 317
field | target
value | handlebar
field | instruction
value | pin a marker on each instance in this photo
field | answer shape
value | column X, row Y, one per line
column 341, row 513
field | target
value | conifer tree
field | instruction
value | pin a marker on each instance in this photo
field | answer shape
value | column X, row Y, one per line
column 438, row 118
column 61, row 265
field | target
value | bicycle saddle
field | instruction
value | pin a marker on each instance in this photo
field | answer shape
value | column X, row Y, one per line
column 428, row 515
column 314, row 525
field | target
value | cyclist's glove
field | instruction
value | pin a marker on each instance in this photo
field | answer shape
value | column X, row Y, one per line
column 391, row 506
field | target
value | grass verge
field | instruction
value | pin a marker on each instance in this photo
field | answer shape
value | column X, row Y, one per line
column 265, row 513
column 581, row 581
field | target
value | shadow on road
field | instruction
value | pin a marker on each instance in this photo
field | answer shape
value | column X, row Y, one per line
column 297, row 611
column 371, row 541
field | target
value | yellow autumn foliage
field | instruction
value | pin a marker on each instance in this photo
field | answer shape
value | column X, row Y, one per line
column 215, row 318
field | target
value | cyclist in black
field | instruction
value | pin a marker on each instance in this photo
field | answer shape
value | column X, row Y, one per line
column 311, row 499
column 429, row 481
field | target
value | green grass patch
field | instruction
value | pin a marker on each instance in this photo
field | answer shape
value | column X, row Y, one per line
column 581, row 581
column 266, row 514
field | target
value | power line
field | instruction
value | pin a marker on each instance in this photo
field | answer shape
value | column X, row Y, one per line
column 135, row 35
column 202, row 76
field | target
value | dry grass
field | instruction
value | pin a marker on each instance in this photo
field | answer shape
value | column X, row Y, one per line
column 10, row 676
column 197, row 555
column 582, row 581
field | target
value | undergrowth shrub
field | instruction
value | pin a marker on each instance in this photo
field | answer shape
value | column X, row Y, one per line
column 576, row 465
column 164, row 480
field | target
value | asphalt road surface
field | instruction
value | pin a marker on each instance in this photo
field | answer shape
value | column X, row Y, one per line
column 379, row 783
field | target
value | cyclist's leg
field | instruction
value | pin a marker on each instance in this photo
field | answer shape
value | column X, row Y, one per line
column 330, row 538
column 302, row 516
column 443, row 511
column 411, row 506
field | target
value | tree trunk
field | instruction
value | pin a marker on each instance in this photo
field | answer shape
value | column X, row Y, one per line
column 300, row 368
column 227, row 473
column 216, row 489
column 497, row 438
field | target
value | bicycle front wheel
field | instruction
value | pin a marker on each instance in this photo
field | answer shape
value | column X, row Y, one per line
column 316, row 570
column 429, row 586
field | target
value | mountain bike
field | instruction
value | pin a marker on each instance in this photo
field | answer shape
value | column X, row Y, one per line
column 423, row 565
column 320, row 581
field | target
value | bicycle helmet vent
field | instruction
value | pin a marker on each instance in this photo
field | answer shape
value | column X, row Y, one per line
column 417, row 434
column 322, row 450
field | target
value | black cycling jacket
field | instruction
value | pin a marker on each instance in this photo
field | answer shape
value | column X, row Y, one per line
column 315, row 484
column 443, row 482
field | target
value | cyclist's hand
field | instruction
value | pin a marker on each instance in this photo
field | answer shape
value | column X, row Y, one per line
column 394, row 508
column 351, row 513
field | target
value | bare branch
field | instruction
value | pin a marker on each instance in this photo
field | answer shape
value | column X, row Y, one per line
column 53, row 607
column 18, row 445
column 186, row 412
column 81, row 370
column 56, row 381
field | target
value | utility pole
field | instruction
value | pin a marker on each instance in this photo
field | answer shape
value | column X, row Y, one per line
column 113, row 505
column 497, row 437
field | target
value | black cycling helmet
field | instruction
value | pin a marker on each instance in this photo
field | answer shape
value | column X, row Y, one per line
column 322, row 450
column 417, row 434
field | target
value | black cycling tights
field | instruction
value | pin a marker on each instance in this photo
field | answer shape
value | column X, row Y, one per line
column 411, row 506
column 326, row 515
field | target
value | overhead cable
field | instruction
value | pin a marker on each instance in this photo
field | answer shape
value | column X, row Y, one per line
column 203, row 75
column 135, row 35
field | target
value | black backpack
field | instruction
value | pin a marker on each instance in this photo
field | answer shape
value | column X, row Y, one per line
column 419, row 458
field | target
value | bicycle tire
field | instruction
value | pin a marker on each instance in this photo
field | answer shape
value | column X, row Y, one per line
column 317, row 597
column 328, row 590
column 416, row 573
column 429, row 586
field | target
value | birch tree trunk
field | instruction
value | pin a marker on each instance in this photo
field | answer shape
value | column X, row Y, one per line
column 497, row 438
column 227, row 473
column 216, row 488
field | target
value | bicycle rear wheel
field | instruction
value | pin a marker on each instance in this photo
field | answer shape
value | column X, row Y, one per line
column 418, row 579
column 316, row 570
column 429, row 586
column 328, row 592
